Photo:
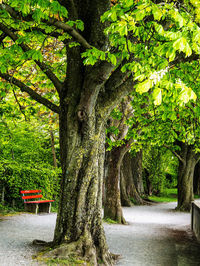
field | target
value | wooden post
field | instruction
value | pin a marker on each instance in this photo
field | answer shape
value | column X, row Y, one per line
column 192, row 215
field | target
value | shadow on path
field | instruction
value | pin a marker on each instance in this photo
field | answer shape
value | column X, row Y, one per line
column 156, row 235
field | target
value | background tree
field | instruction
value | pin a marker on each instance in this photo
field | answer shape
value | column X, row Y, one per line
column 160, row 169
column 174, row 124
column 117, row 148
column 131, row 172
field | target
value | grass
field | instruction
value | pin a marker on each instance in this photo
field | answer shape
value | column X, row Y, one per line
column 168, row 195
column 110, row 221
column 8, row 211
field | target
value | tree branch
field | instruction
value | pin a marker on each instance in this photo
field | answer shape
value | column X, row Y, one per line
column 95, row 78
column 114, row 94
column 20, row 107
column 57, row 83
column 175, row 153
column 125, row 148
column 52, row 22
column 71, row 31
column 37, row 97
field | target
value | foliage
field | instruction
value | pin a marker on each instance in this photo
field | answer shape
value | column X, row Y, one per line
column 160, row 165
column 15, row 177
column 25, row 154
column 149, row 36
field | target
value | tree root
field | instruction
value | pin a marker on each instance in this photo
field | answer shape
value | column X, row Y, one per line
column 81, row 252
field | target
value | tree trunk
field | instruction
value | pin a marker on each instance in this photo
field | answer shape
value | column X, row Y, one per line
column 148, row 183
column 87, row 97
column 136, row 163
column 185, row 177
column 79, row 224
column 129, row 194
column 112, row 204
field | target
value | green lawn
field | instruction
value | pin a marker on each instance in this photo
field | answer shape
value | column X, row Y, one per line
column 169, row 195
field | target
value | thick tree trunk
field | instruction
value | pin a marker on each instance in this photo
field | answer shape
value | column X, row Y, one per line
column 87, row 97
column 136, row 163
column 185, row 177
column 148, row 188
column 79, row 227
column 129, row 193
column 112, row 204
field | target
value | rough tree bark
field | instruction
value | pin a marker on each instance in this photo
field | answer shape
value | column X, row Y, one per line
column 127, row 184
column 136, row 163
column 187, row 161
column 112, row 204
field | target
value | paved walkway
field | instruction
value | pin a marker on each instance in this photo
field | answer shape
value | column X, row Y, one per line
column 156, row 235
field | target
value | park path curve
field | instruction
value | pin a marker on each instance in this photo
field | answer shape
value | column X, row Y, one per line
column 155, row 236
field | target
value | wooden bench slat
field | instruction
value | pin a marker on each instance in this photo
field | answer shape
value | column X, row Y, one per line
column 39, row 201
column 37, row 205
column 32, row 197
column 30, row 191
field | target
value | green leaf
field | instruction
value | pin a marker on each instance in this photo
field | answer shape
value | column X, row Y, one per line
column 114, row 15
column 159, row 28
column 182, row 45
column 3, row 69
column 144, row 86
column 157, row 95
column 112, row 58
column 157, row 13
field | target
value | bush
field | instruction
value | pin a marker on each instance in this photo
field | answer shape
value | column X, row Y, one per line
column 15, row 177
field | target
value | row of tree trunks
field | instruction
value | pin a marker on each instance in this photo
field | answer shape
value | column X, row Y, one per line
column 124, row 181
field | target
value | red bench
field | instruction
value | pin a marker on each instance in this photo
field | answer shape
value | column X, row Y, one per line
column 35, row 206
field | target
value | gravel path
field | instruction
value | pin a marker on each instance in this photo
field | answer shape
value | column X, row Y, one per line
column 156, row 235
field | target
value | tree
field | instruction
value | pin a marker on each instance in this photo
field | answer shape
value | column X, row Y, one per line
column 174, row 125
column 117, row 148
column 137, row 171
column 159, row 163
column 131, row 171
column 84, row 85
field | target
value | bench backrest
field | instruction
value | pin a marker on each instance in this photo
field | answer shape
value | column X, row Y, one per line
column 31, row 194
